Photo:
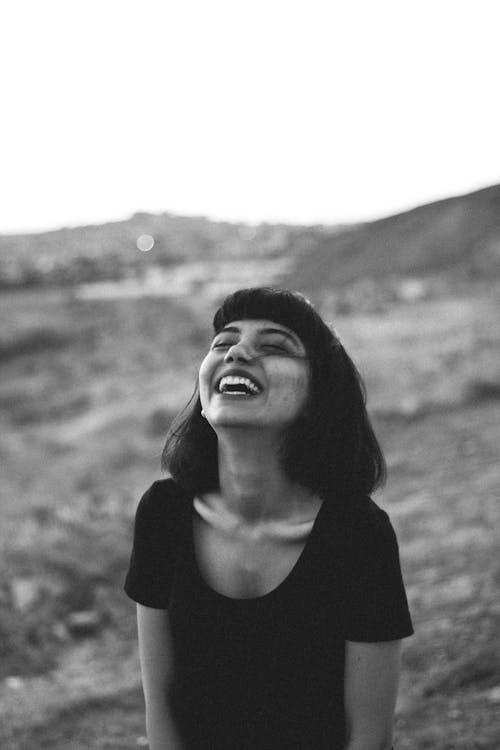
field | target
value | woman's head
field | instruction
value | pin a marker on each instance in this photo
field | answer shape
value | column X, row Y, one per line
column 328, row 446
column 273, row 363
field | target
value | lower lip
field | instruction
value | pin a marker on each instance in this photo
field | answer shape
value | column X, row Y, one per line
column 228, row 394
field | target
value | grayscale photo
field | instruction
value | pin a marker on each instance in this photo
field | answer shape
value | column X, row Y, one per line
column 250, row 376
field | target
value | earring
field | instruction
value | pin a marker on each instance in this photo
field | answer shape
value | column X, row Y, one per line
column 203, row 413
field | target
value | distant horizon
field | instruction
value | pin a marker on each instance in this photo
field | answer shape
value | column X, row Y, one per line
column 248, row 222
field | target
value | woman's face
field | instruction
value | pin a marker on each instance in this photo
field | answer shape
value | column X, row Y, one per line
column 269, row 353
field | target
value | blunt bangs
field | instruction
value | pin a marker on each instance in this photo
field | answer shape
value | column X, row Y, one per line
column 290, row 308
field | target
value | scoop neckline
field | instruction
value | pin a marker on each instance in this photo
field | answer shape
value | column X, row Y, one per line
column 249, row 600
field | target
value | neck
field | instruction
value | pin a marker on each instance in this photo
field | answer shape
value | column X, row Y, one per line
column 252, row 483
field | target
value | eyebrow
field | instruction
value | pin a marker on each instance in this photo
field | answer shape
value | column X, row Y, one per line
column 235, row 329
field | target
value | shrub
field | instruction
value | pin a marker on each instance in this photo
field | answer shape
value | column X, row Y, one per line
column 36, row 341
column 74, row 559
column 479, row 390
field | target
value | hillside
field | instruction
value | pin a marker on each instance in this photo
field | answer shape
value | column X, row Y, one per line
column 459, row 235
column 68, row 256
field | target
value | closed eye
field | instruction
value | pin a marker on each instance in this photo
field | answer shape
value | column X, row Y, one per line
column 265, row 346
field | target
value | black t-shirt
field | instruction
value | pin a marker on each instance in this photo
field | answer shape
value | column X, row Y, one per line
column 267, row 673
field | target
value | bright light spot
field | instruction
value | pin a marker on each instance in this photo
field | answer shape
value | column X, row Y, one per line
column 14, row 682
column 145, row 242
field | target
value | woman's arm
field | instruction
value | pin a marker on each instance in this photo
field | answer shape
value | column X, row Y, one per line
column 370, row 691
column 156, row 657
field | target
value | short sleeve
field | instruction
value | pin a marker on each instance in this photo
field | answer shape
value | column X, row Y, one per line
column 156, row 531
column 375, row 603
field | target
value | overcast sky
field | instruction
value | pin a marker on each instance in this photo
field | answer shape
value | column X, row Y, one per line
column 266, row 110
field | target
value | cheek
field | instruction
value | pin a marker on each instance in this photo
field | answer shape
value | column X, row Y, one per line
column 295, row 386
column 205, row 373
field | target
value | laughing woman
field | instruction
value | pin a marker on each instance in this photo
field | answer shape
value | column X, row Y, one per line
column 270, row 601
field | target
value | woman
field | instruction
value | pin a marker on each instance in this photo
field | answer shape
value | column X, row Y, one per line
column 270, row 601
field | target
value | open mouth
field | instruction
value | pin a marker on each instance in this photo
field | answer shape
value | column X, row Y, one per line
column 238, row 386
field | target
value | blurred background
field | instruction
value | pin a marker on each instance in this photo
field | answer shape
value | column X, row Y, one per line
column 157, row 156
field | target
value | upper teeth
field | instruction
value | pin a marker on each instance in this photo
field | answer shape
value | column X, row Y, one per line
column 234, row 379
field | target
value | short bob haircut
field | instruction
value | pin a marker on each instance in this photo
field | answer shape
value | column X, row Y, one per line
column 330, row 448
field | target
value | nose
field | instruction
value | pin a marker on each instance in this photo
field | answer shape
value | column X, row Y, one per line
column 239, row 350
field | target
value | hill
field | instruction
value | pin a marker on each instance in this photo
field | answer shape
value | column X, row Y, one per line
column 69, row 256
column 459, row 235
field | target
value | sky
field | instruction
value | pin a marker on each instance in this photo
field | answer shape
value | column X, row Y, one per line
column 298, row 112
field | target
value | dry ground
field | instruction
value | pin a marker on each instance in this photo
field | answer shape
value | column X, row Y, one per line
column 445, row 519
column 440, row 433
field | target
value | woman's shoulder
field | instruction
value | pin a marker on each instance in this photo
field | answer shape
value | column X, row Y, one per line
column 376, row 607
column 158, row 532
column 164, row 500
column 366, row 522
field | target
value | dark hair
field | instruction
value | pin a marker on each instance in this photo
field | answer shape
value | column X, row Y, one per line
column 330, row 448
